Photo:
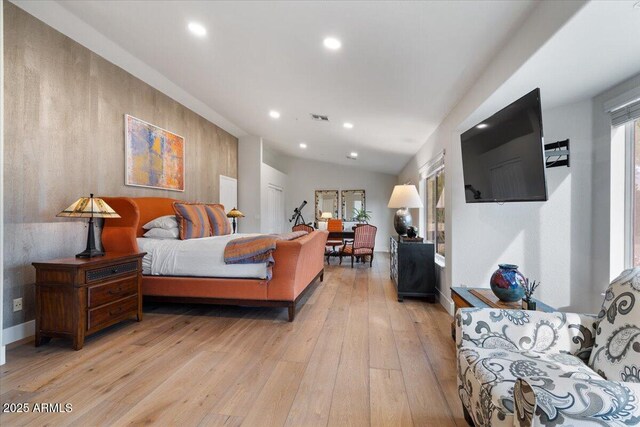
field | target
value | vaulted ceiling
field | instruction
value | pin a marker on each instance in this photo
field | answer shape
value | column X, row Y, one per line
column 402, row 65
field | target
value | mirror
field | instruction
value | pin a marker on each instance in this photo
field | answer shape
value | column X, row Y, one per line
column 326, row 201
column 352, row 200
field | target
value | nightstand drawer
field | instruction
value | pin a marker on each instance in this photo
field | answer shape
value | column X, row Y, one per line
column 109, row 292
column 105, row 273
column 104, row 316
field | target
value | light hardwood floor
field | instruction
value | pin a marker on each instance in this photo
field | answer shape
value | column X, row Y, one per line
column 353, row 357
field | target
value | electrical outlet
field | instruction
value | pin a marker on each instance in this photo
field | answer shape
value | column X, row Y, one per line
column 17, row 304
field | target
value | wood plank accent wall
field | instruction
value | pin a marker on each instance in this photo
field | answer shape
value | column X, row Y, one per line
column 64, row 138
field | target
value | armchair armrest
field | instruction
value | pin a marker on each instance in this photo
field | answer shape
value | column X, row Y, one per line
column 575, row 401
column 522, row 330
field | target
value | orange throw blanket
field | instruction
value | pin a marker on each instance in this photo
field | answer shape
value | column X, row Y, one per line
column 256, row 249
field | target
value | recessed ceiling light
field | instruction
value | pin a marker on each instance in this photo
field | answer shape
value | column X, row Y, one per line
column 353, row 154
column 303, row 145
column 348, row 125
column 332, row 43
column 482, row 126
column 197, row 29
column 274, row 114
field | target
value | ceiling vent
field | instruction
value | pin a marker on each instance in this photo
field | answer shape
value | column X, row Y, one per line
column 319, row 117
column 351, row 157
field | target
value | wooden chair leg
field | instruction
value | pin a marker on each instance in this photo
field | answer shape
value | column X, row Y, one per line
column 351, row 260
column 292, row 311
column 371, row 260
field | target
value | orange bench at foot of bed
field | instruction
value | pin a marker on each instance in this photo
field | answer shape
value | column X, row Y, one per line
column 298, row 263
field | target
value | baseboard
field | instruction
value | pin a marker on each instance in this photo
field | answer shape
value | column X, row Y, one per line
column 3, row 352
column 446, row 302
column 18, row 332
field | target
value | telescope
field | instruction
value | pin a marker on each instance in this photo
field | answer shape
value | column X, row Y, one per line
column 297, row 214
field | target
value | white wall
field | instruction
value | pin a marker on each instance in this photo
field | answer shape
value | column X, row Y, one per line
column 272, row 176
column 550, row 241
column 539, row 27
column 306, row 176
column 249, row 183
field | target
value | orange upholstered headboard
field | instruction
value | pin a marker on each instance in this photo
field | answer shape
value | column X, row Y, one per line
column 119, row 234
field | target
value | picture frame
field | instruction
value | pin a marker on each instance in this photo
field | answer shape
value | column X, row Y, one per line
column 154, row 157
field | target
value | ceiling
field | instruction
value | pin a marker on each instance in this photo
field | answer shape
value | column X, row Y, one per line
column 596, row 49
column 401, row 68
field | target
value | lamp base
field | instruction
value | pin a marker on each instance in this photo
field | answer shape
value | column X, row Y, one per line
column 402, row 221
column 91, row 250
column 90, row 253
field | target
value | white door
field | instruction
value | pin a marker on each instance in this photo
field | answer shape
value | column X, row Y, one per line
column 274, row 209
column 229, row 194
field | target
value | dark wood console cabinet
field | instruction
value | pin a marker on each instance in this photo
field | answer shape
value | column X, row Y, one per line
column 76, row 297
column 413, row 269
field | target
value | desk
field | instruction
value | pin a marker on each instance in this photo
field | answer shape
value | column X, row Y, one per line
column 341, row 235
column 344, row 234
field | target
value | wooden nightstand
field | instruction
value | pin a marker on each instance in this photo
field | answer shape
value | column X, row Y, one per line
column 76, row 297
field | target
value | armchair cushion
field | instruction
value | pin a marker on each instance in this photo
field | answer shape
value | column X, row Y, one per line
column 486, row 377
column 617, row 343
column 520, row 330
column 348, row 249
column 576, row 401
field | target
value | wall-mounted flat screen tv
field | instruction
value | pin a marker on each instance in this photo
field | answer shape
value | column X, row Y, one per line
column 503, row 156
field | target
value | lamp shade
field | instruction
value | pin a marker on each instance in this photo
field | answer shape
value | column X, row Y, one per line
column 326, row 215
column 405, row 196
column 235, row 213
column 89, row 207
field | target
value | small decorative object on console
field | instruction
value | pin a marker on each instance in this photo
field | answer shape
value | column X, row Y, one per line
column 412, row 232
column 363, row 216
column 507, row 283
column 528, row 303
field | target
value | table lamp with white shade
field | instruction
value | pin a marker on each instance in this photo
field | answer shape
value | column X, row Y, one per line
column 403, row 198
column 325, row 217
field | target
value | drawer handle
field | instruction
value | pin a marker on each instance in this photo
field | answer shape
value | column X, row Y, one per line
column 115, row 291
column 114, row 270
column 115, row 311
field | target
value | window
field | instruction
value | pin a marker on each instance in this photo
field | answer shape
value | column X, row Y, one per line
column 432, row 189
column 625, row 196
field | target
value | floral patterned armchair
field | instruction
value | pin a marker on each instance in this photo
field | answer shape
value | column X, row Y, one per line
column 530, row 368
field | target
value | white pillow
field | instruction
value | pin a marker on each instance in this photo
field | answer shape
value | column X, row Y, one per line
column 163, row 233
column 167, row 222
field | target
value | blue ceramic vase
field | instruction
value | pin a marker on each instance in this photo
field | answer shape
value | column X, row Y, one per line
column 506, row 283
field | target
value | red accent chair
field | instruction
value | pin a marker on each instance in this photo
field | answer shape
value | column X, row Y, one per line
column 363, row 244
column 332, row 244
column 302, row 227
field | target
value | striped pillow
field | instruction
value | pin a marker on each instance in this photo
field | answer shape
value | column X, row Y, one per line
column 192, row 220
column 220, row 225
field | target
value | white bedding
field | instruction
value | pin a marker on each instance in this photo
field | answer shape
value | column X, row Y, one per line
column 195, row 257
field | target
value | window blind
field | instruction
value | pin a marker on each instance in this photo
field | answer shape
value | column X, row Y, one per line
column 433, row 166
column 625, row 114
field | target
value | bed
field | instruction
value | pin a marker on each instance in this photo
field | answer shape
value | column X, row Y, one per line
column 298, row 263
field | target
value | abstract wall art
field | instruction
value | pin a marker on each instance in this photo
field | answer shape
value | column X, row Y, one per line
column 154, row 157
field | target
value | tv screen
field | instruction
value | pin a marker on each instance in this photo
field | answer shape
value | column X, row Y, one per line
column 503, row 156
